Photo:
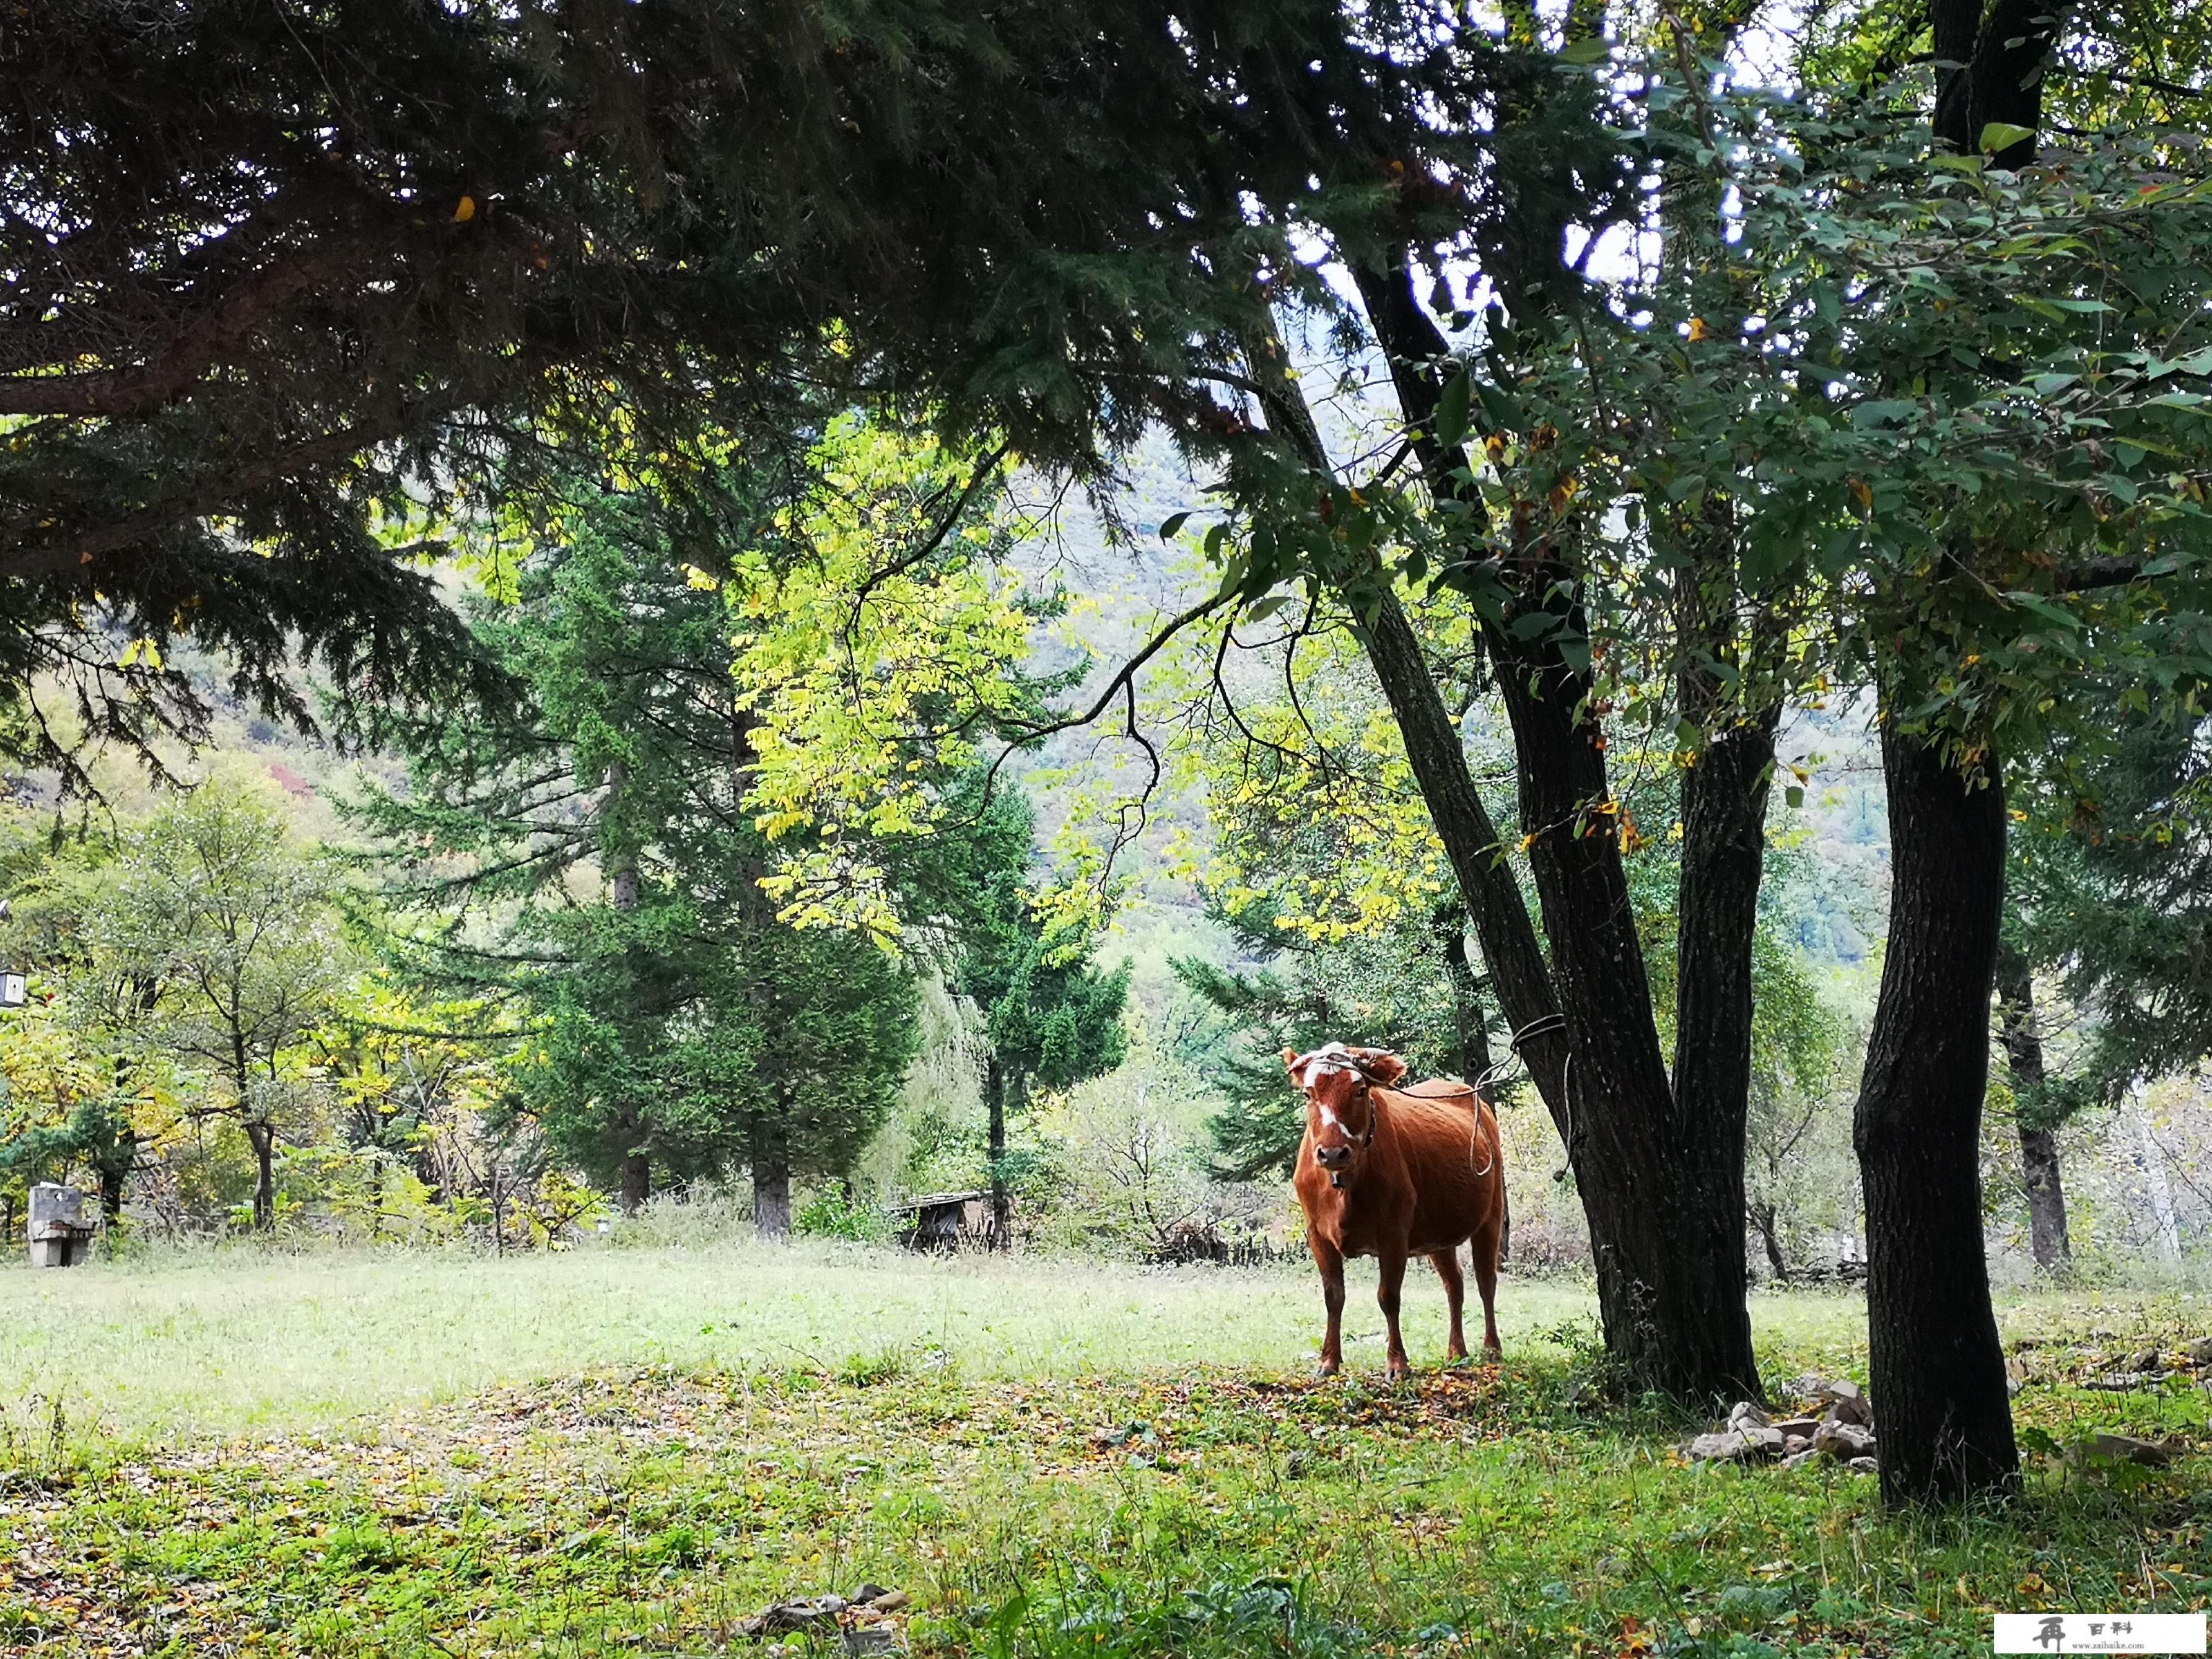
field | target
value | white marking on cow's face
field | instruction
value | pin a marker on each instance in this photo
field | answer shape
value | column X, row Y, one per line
column 1329, row 1118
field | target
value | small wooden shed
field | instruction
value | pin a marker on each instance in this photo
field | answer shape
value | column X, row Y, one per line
column 940, row 1221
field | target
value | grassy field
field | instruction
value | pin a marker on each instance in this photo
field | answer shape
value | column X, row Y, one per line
column 629, row 1451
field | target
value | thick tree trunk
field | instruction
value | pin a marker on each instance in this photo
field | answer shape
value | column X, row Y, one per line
column 1668, row 1254
column 1724, row 796
column 2001, row 49
column 1941, row 1401
column 636, row 1180
column 1486, row 882
column 771, row 1161
column 2039, row 1145
column 995, row 1108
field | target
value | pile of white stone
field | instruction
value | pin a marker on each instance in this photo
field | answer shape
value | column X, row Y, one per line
column 1834, row 1421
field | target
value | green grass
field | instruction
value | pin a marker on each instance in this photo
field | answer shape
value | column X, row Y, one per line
column 242, row 1341
column 623, row 1451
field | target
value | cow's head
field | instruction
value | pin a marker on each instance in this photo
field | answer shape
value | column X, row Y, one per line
column 1338, row 1084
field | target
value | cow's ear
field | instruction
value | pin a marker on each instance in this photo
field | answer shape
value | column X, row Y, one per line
column 1383, row 1066
column 1291, row 1057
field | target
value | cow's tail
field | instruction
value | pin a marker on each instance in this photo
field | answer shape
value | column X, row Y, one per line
column 1504, row 1226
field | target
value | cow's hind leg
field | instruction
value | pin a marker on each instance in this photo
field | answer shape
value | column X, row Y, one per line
column 1392, row 1280
column 1483, row 1247
column 1331, row 1263
column 1447, row 1262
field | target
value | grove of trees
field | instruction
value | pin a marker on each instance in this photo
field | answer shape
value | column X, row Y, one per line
column 1572, row 401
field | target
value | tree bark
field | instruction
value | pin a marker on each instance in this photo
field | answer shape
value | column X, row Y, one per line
column 1724, row 797
column 115, row 1174
column 2000, row 59
column 995, row 1108
column 636, row 1180
column 262, row 1137
column 2039, row 1144
column 1670, row 1264
column 771, row 1161
column 1486, row 881
column 1762, row 1219
column 1942, row 1404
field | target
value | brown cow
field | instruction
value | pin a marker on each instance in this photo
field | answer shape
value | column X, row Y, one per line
column 1391, row 1173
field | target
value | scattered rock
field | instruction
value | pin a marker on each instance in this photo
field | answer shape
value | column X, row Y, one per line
column 2200, row 1350
column 1864, row 1466
column 2145, row 1359
column 1127, row 1434
column 2120, row 1382
column 857, row 1619
column 1798, row 1426
column 2127, row 1448
column 1745, row 1413
column 1798, row 1460
column 1843, row 1441
column 817, row 1613
column 1793, row 1443
column 1847, row 1403
column 1742, row 1445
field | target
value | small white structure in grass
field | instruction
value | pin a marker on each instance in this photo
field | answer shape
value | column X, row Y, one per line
column 61, row 1237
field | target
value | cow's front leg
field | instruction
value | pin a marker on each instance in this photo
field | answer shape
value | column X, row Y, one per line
column 1330, row 1260
column 1392, row 1280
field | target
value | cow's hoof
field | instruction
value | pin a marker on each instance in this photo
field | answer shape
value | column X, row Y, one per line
column 1457, row 1360
column 1328, row 1368
column 1400, row 1373
column 1493, row 1356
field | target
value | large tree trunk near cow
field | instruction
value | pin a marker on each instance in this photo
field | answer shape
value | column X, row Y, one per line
column 1665, row 1223
column 1941, row 1399
column 1724, row 798
column 2039, row 1145
column 771, row 1162
column 1487, row 883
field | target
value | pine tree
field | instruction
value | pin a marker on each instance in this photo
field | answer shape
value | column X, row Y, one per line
column 1051, row 1017
column 585, row 856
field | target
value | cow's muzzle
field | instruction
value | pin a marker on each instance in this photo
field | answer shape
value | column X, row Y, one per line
column 1337, row 1160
